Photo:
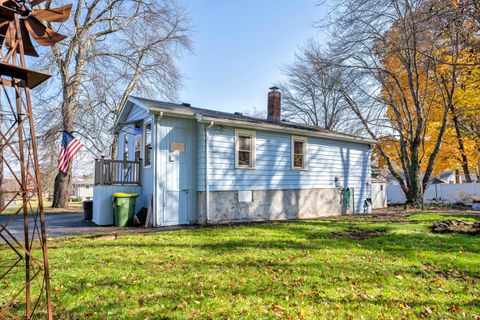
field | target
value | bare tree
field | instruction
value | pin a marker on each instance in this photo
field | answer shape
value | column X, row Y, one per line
column 399, row 56
column 311, row 95
column 114, row 48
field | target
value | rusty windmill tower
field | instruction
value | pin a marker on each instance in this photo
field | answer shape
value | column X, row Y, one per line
column 24, row 274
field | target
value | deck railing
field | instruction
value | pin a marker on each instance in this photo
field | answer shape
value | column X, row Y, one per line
column 117, row 172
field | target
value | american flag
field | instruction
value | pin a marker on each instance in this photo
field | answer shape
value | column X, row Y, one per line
column 70, row 147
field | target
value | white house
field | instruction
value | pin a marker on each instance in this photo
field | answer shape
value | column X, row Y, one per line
column 455, row 177
column 82, row 188
column 199, row 165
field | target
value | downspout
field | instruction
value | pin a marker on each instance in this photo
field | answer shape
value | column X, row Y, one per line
column 207, row 185
column 155, row 167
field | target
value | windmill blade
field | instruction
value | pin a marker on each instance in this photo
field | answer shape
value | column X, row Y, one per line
column 28, row 47
column 54, row 14
column 43, row 35
column 36, row 2
column 9, row 3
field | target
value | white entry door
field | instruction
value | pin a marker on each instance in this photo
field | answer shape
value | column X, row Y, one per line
column 177, row 171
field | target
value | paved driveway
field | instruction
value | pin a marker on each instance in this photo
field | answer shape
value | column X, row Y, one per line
column 70, row 224
column 58, row 224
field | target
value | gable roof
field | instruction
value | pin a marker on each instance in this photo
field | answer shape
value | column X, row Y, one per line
column 232, row 119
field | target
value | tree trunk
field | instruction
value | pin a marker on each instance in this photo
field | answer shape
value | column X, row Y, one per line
column 415, row 194
column 62, row 188
column 478, row 168
column 461, row 147
column 115, row 147
column 63, row 181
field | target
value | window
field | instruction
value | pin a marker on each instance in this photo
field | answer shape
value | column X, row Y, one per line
column 299, row 153
column 147, row 142
column 244, row 149
column 125, row 146
column 138, row 142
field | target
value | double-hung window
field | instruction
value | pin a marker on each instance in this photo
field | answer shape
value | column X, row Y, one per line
column 138, row 141
column 299, row 153
column 147, row 142
column 244, row 149
column 125, row 146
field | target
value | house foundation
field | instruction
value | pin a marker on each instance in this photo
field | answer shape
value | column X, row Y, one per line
column 261, row 205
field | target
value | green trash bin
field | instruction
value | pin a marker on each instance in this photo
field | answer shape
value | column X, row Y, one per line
column 123, row 208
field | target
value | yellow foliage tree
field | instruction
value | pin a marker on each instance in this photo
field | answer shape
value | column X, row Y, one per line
column 434, row 111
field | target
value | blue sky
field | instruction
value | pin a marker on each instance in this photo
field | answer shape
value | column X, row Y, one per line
column 240, row 47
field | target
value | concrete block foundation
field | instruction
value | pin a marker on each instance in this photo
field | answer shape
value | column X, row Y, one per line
column 273, row 205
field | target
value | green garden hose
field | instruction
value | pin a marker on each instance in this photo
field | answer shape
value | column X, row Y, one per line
column 346, row 197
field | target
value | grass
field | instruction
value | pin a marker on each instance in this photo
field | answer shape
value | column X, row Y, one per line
column 295, row 270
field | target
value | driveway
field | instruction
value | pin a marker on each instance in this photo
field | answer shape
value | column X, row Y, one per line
column 58, row 224
column 71, row 224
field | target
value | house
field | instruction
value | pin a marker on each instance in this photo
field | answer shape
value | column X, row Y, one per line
column 82, row 188
column 455, row 177
column 199, row 165
column 450, row 177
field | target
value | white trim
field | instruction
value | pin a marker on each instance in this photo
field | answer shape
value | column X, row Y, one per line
column 138, row 103
column 252, row 135
column 305, row 152
column 144, row 140
column 156, row 123
column 130, row 102
column 207, row 172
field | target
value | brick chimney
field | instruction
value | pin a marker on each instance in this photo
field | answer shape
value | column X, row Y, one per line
column 274, row 105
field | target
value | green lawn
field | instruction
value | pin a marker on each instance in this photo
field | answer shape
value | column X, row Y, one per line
column 297, row 270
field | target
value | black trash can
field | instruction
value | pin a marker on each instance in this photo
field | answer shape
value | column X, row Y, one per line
column 88, row 210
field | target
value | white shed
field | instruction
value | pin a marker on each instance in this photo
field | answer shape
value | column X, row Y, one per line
column 379, row 193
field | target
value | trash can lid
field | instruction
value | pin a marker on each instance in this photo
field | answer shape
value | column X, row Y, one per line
column 124, row 195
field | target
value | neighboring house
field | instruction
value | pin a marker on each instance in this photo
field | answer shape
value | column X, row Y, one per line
column 82, row 188
column 200, row 165
column 445, row 177
column 451, row 177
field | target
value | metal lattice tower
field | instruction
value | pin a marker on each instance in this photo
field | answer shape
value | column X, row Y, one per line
column 24, row 272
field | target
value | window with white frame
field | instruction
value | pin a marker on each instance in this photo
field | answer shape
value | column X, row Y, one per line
column 299, row 153
column 125, row 146
column 138, row 141
column 244, row 149
column 147, row 142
